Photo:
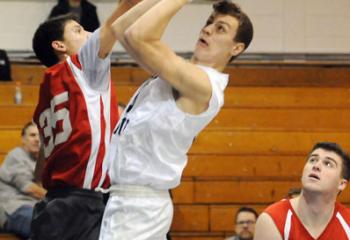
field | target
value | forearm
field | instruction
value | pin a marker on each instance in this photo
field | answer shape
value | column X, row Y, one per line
column 151, row 26
column 108, row 38
column 36, row 191
column 142, row 38
column 129, row 18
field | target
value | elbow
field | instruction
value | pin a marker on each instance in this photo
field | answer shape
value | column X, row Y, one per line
column 118, row 32
column 133, row 37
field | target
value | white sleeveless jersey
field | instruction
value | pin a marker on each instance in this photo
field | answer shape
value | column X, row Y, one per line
column 150, row 143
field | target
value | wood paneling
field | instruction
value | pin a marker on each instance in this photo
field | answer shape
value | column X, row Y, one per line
column 239, row 76
column 289, row 76
column 222, row 166
column 263, row 143
column 235, row 119
column 222, row 218
column 247, row 192
column 9, row 138
column 191, row 218
column 237, row 97
column 30, row 93
column 251, row 154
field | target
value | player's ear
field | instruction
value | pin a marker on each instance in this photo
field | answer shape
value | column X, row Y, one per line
column 342, row 184
column 59, row 46
column 237, row 49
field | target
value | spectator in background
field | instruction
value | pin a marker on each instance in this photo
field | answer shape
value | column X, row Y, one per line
column 244, row 224
column 18, row 191
column 84, row 11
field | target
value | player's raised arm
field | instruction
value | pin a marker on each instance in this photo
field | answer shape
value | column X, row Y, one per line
column 108, row 38
column 142, row 39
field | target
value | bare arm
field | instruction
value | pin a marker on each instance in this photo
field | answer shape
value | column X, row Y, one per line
column 107, row 36
column 142, row 40
column 266, row 229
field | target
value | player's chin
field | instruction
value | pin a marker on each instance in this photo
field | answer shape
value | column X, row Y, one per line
column 246, row 235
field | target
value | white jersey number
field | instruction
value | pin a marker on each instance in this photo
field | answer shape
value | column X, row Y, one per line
column 48, row 120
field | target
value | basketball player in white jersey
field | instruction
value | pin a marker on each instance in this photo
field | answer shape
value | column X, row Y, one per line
column 76, row 114
column 150, row 143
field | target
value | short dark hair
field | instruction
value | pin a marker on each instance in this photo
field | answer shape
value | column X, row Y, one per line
column 246, row 209
column 245, row 27
column 334, row 147
column 47, row 32
column 25, row 127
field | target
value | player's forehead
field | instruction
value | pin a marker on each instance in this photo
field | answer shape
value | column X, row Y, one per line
column 71, row 24
column 325, row 154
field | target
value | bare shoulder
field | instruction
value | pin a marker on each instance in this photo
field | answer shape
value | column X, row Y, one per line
column 189, row 79
column 266, row 229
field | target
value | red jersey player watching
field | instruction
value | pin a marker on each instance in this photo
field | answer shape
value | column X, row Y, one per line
column 314, row 214
column 76, row 113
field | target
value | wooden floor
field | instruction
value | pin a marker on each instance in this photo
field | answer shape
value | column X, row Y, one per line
column 250, row 154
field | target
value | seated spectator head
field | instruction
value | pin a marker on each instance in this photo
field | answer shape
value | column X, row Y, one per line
column 327, row 169
column 58, row 38
column 30, row 138
column 245, row 223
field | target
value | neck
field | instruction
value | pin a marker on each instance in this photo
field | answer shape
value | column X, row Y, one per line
column 315, row 209
column 34, row 155
column 218, row 66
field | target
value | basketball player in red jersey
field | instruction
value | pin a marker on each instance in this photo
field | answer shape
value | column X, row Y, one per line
column 76, row 114
column 314, row 214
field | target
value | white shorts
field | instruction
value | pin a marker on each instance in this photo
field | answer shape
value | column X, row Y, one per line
column 136, row 213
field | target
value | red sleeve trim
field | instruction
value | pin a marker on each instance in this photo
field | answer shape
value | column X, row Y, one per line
column 76, row 62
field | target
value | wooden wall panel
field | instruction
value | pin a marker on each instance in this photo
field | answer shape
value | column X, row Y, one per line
column 27, row 74
column 222, row 218
column 273, row 96
column 263, row 143
column 9, row 138
column 2, row 157
column 282, row 119
column 237, row 97
column 242, row 192
column 239, row 76
column 184, row 193
column 235, row 119
column 30, row 93
column 236, row 143
column 289, row 76
column 251, row 166
column 190, row 218
column 248, row 192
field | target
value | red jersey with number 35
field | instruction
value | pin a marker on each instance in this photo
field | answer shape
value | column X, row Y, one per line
column 291, row 228
column 75, row 121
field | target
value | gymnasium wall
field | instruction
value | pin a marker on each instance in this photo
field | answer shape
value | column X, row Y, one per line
column 283, row 26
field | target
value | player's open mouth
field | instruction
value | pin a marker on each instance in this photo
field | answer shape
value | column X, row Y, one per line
column 202, row 41
column 314, row 176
